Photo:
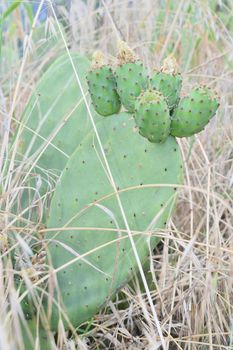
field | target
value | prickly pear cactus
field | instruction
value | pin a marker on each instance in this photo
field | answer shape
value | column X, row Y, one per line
column 131, row 77
column 88, row 248
column 152, row 116
column 102, row 87
column 54, row 122
column 194, row 112
column 56, row 116
column 168, row 81
column 90, row 251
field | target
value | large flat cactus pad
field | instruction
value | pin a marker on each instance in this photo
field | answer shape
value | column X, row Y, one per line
column 90, row 249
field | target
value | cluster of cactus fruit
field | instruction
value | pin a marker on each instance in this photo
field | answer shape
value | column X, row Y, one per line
column 88, row 249
column 155, row 102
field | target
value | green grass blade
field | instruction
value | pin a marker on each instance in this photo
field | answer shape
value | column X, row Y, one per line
column 4, row 15
column 10, row 9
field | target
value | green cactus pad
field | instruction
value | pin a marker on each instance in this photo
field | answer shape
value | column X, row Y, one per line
column 131, row 79
column 55, row 111
column 35, row 336
column 194, row 112
column 102, row 88
column 152, row 116
column 169, row 85
column 55, row 120
column 88, row 245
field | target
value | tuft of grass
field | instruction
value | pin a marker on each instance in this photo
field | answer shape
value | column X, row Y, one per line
column 191, row 269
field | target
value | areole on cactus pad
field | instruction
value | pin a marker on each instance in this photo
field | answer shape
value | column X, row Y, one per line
column 88, row 245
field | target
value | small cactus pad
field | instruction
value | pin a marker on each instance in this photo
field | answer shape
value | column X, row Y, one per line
column 131, row 77
column 88, row 244
column 102, row 87
column 168, row 81
column 152, row 116
column 194, row 112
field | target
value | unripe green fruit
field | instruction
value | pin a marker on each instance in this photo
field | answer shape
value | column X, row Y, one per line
column 131, row 79
column 169, row 85
column 152, row 116
column 102, row 88
column 194, row 112
column 131, row 76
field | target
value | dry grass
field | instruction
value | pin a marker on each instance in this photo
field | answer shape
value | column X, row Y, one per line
column 193, row 265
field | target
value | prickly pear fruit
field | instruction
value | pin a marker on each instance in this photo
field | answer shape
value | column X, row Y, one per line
column 131, row 77
column 194, row 112
column 102, row 87
column 168, row 81
column 152, row 116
